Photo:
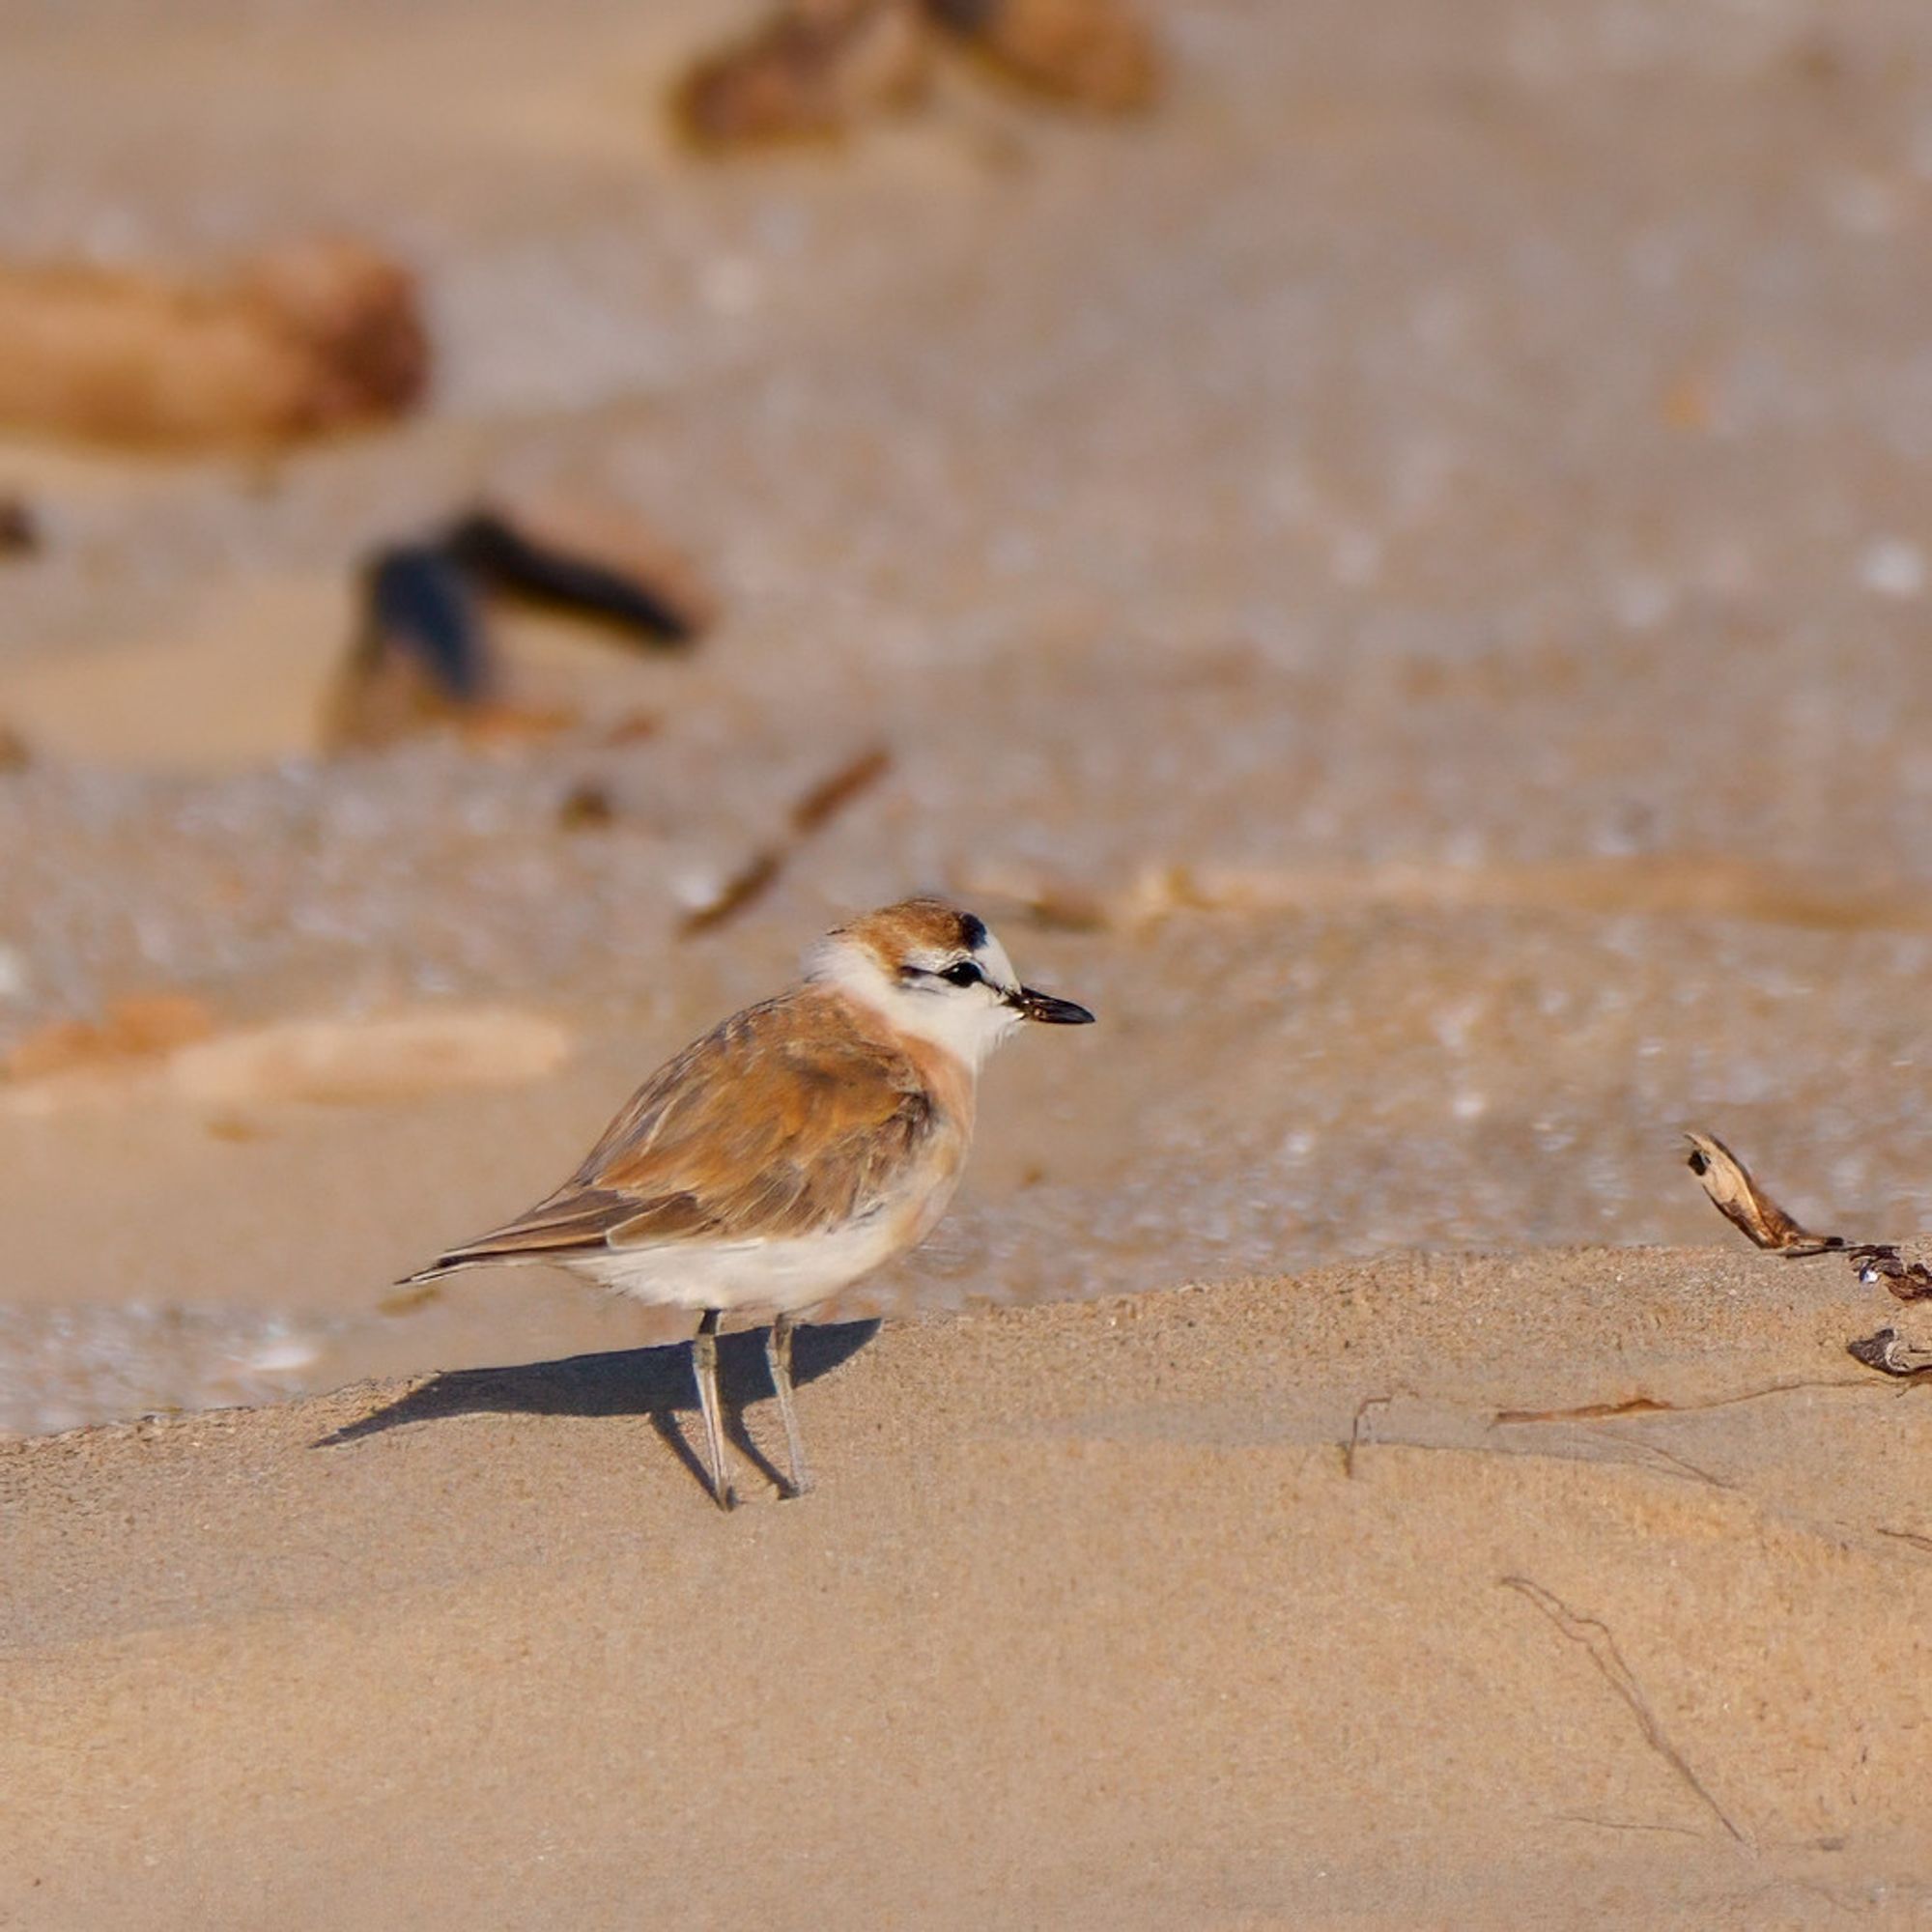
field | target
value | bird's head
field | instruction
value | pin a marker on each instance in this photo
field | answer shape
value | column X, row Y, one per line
column 937, row 973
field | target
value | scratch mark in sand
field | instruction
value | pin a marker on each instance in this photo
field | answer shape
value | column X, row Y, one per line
column 1911, row 1536
column 1620, row 1823
column 1682, row 1465
column 1595, row 1637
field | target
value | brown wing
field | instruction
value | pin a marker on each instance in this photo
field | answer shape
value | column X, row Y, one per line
column 781, row 1121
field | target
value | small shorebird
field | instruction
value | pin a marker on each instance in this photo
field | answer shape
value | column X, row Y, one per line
column 797, row 1147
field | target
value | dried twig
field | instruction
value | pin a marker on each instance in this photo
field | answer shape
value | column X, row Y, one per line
column 1595, row 1637
column 749, row 883
column 1589, row 1412
column 809, row 814
column 832, row 794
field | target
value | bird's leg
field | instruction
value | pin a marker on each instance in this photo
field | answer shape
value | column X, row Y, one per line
column 777, row 1354
column 704, row 1365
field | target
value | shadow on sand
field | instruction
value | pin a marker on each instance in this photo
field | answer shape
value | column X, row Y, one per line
column 656, row 1382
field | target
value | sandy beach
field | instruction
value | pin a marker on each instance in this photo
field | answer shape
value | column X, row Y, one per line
column 1475, row 1590
column 1399, row 576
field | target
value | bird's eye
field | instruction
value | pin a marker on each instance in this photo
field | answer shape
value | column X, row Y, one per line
column 963, row 974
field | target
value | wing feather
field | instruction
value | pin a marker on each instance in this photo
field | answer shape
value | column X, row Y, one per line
column 782, row 1121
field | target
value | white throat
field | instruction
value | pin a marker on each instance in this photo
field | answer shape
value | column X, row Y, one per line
column 968, row 1024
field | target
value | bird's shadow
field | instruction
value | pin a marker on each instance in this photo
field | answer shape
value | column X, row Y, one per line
column 656, row 1382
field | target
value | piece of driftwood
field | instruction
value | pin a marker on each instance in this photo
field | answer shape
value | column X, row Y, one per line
column 298, row 341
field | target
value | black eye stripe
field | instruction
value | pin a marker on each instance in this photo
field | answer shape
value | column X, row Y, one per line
column 961, row 973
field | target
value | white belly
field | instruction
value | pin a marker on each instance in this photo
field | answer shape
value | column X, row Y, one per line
column 779, row 1275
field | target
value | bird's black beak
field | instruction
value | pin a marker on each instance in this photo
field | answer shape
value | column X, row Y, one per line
column 1045, row 1007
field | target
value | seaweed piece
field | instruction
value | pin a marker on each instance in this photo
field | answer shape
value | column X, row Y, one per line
column 510, row 563
column 423, row 653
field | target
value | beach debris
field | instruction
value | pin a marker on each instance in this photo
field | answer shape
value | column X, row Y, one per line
column 419, row 657
column 653, row 597
column 807, row 72
column 19, row 528
column 1739, row 1198
column 368, row 1062
column 751, row 882
column 833, row 793
column 15, row 754
column 631, row 727
column 298, row 341
column 1096, row 54
column 1046, row 898
column 168, row 1042
column 1650, row 1404
column 1881, row 1261
column 813, row 68
column 422, row 656
column 1736, row 1194
column 136, row 1027
column 1158, row 888
column 1890, row 1353
column 587, row 807
column 808, row 816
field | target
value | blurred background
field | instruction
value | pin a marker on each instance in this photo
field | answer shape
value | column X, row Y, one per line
column 1385, row 549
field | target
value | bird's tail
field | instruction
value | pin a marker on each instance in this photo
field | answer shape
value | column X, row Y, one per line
column 420, row 1289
